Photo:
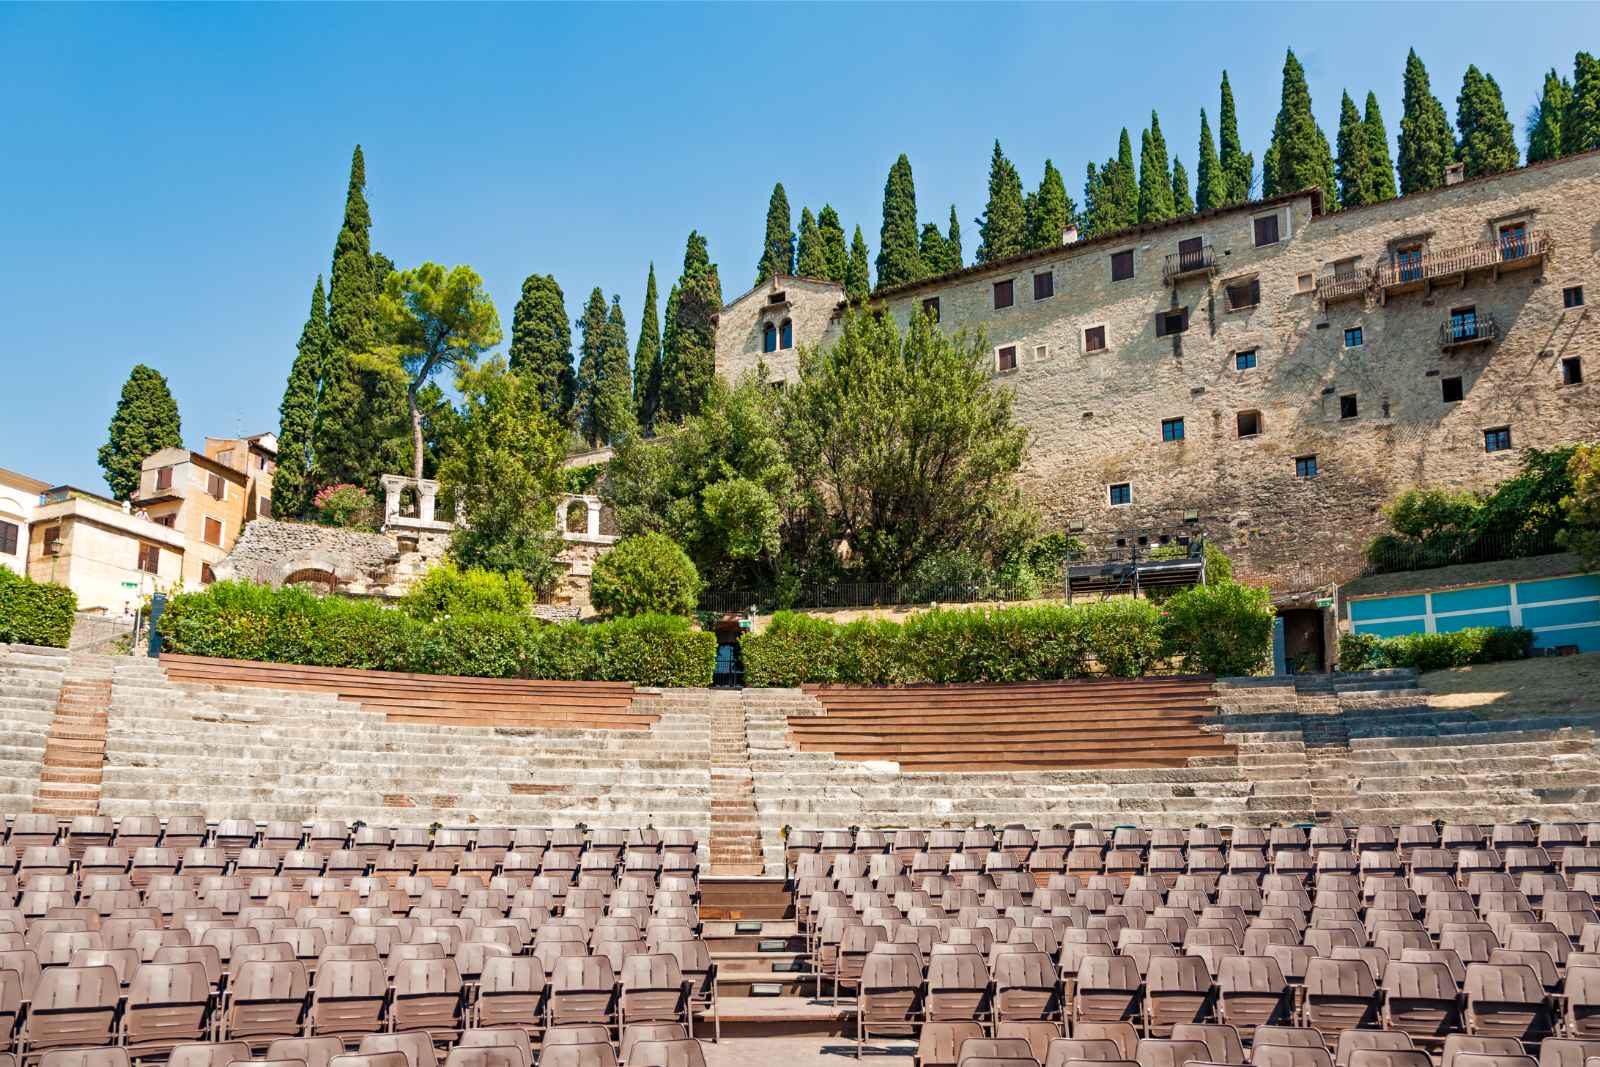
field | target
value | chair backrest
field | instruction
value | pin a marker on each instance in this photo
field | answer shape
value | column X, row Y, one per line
column 1157, row 1052
column 677, row 1052
column 311, row 1051
column 488, row 1056
column 208, row 1054
column 1290, row 1055
column 1477, row 1044
column 85, row 1057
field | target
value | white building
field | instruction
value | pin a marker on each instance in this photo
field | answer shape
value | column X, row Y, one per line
column 19, row 501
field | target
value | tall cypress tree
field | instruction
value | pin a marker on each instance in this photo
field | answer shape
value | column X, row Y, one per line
column 1544, row 124
column 1380, row 164
column 1580, row 126
column 146, row 421
column 1426, row 146
column 952, row 240
column 898, row 258
column 777, row 252
column 1155, row 175
column 1003, row 229
column 1052, row 210
column 1124, row 183
column 1182, row 199
column 293, row 482
column 1238, row 166
column 591, row 354
column 1212, row 191
column 688, row 358
column 1354, row 165
column 647, row 358
column 614, row 408
column 932, row 249
column 812, row 259
column 1487, row 144
column 352, row 303
column 834, row 254
column 541, row 345
column 857, row 280
column 1299, row 156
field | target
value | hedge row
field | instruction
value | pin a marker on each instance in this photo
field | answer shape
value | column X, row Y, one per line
column 238, row 620
column 1432, row 652
column 35, row 613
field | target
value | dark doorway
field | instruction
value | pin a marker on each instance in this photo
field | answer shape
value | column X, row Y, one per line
column 1304, row 649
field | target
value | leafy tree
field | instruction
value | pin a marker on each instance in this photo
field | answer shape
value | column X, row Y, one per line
column 1487, row 144
column 643, row 575
column 146, row 421
column 647, row 358
column 1155, row 175
column 1221, row 628
column 857, row 280
column 777, row 253
column 932, row 249
column 1299, row 156
column 688, row 353
column 1580, row 508
column 1111, row 194
column 1003, row 228
column 293, row 481
column 591, row 354
column 952, row 241
column 447, row 589
column 1544, row 122
column 1426, row 145
column 834, row 255
column 1238, row 166
column 1212, row 190
column 502, row 468
column 352, row 293
column 812, row 260
column 541, row 344
column 614, row 409
column 1182, row 201
column 898, row 258
column 437, row 319
column 1052, row 210
column 1354, row 165
column 1380, row 163
column 1580, row 126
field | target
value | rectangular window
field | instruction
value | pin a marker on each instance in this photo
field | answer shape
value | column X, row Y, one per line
column 1122, row 265
column 225, row 458
column 1094, row 339
column 1463, row 323
column 1347, row 406
column 207, row 575
column 1249, row 423
column 1006, row 358
column 8, row 538
column 1305, row 283
column 1267, row 230
column 1121, row 493
column 1172, row 429
column 1572, row 371
column 1305, row 466
column 1352, row 337
column 52, row 541
column 930, row 306
column 1514, row 240
column 213, row 532
column 1004, row 297
column 1572, row 296
column 1040, row 353
column 216, row 487
column 1497, row 439
column 1044, row 285
column 150, row 559
column 1246, row 294
column 778, row 298
column 1192, row 254
column 169, row 520
column 1408, row 263
column 1171, row 322
column 164, row 478
column 1450, row 389
column 1244, row 360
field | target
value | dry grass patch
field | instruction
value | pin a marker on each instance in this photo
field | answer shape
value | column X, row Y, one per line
column 1561, row 685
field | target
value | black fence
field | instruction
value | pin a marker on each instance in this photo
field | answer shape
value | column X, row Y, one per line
column 1388, row 555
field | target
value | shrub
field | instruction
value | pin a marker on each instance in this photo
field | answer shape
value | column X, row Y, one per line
column 35, row 613
column 1432, row 652
column 1222, row 628
column 449, row 590
column 645, row 574
column 346, row 506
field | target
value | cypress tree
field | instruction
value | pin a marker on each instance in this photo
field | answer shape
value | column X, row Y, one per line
column 688, row 358
column 352, row 300
column 1182, row 201
column 1380, row 164
column 614, row 408
column 1487, row 145
column 1155, row 175
column 777, row 253
column 592, row 343
column 293, row 481
column 541, row 344
column 1125, row 183
column 146, row 421
column 1052, row 210
column 812, row 259
column 834, row 253
column 1580, row 126
column 898, row 259
column 1238, row 166
column 669, row 345
column 1094, row 205
column 932, row 249
column 1354, row 164
column 857, row 280
column 1426, row 146
column 1003, row 229
column 1299, row 154
column 1212, row 191
column 1544, row 124
column 647, row 358
column 952, row 240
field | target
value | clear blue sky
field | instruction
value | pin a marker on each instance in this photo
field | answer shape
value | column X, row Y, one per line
column 174, row 175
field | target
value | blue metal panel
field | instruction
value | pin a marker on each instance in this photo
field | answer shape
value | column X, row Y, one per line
column 1484, row 596
column 1390, row 629
column 1452, row 623
column 1387, row 607
column 1587, row 638
column 1561, row 614
column 1558, row 588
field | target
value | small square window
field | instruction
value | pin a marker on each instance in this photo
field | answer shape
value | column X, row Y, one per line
column 930, row 306
column 1572, row 371
column 1267, row 230
column 1497, row 439
column 216, row 487
column 1572, row 296
column 1172, row 429
column 1006, row 358
column 150, row 559
column 213, row 532
column 1249, row 423
column 1352, row 337
column 1245, row 294
column 1044, row 285
column 1305, row 466
column 1121, row 493
column 1347, row 406
column 1244, row 360
column 164, row 478
column 1171, row 322
column 1122, row 265
column 1041, row 353
column 1094, row 339
column 777, row 298
column 1305, row 283
column 1004, row 295
column 1450, row 389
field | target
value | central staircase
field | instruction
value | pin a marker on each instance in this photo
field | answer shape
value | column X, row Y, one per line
column 75, row 747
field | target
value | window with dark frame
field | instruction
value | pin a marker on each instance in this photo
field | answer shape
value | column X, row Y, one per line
column 215, row 486
column 213, row 532
column 1245, row 360
column 1004, row 294
column 930, row 306
column 1244, row 294
column 1347, row 406
column 769, row 338
column 1572, row 370
column 1266, row 230
column 1172, row 429
column 786, row 335
column 1006, row 358
column 1497, row 439
column 778, row 298
column 1450, row 390
column 8, row 538
column 52, row 541
column 1305, row 466
column 1249, row 423
column 1122, row 265
column 1094, row 339
column 150, row 559
column 164, row 478
column 1044, row 285
column 1172, row 322
column 1352, row 337
column 1121, row 493
column 1464, row 323
column 1572, row 296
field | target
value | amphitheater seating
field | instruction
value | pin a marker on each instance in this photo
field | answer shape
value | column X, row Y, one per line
column 1147, row 722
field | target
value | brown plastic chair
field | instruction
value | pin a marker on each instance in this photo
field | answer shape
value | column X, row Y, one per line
column 652, row 990
column 1505, row 1001
column 1383, row 1057
column 85, row 1057
column 370, row 1059
column 1177, row 990
column 348, row 1000
column 681, row 1052
column 267, row 1001
column 428, row 997
column 1420, row 1000
column 168, row 1004
column 1353, row 1041
column 700, row 970
column 1026, row 987
column 957, row 988
column 585, row 1055
column 71, row 1007
column 1290, row 1056
column 1339, row 995
column 510, row 993
column 1567, row 1052
column 208, row 1054
column 996, row 1050
column 582, row 990
column 311, row 1051
column 1252, row 992
column 418, row 1047
column 1459, row 1044
column 1165, row 1052
column 1222, row 1042
column 1106, row 990
column 1083, row 1050
column 939, row 1043
column 887, row 1001
column 1489, row 1059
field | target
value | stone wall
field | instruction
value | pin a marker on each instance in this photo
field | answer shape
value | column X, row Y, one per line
column 273, row 552
column 811, row 306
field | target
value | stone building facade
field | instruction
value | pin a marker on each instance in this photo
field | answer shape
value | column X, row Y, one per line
column 1273, row 373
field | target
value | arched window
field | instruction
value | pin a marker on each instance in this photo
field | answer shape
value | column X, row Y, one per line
column 788, row 335
column 769, row 338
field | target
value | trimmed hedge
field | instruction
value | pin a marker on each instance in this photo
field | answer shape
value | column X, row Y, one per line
column 1223, row 628
column 35, row 613
column 239, row 620
column 1432, row 652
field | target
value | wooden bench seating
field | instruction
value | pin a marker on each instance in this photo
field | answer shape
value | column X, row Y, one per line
column 1144, row 722
column 436, row 699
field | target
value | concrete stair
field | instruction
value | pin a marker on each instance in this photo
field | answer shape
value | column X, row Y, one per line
column 30, row 688
column 75, row 748
column 735, row 825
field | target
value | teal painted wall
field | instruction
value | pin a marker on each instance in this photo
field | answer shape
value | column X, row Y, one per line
column 1559, row 611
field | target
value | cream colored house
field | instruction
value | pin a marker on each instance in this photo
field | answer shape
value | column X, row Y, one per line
column 111, row 557
column 19, row 499
column 204, row 500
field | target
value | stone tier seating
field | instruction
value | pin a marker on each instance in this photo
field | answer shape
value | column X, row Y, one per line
column 30, row 684
column 1165, row 946
column 1145, row 722
column 202, row 944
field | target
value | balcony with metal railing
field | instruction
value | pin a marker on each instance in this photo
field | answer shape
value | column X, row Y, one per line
column 1189, row 262
column 1342, row 284
column 1404, row 271
column 1464, row 331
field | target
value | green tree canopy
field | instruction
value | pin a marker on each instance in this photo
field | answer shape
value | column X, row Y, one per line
column 1002, row 231
column 1299, row 156
column 1580, row 126
column 932, row 249
column 688, row 356
column 1380, row 162
column 1182, row 199
column 293, row 482
column 1544, row 122
column 812, row 258
column 857, row 279
column 834, row 254
column 1354, row 165
column 592, row 343
column 1052, row 210
column 146, row 421
column 647, row 358
column 541, row 344
column 615, row 405
column 1212, row 190
column 952, row 240
column 352, row 291
column 898, row 257
column 1487, row 144
column 647, row 574
column 1426, row 145
column 1237, row 165
column 1155, row 175
column 777, row 251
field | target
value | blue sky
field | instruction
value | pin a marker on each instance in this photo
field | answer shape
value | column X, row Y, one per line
column 175, row 174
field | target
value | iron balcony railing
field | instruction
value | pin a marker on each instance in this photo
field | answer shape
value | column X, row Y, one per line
column 1472, row 329
column 1401, row 270
column 1194, row 261
column 1342, row 284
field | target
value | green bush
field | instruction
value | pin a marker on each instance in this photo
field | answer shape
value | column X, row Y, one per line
column 647, row 574
column 34, row 613
column 238, row 620
column 1432, row 652
column 448, row 590
column 1221, row 628
column 346, row 506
